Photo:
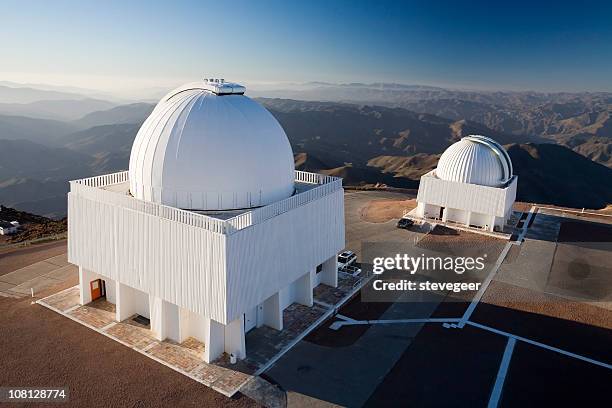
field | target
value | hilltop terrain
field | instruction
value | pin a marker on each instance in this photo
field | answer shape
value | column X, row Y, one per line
column 32, row 226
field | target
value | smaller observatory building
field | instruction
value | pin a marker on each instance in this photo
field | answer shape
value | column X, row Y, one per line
column 211, row 232
column 472, row 185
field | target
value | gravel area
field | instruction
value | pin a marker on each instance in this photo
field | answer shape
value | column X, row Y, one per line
column 385, row 210
column 42, row 348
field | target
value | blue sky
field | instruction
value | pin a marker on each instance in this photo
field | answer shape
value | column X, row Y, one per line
column 535, row 45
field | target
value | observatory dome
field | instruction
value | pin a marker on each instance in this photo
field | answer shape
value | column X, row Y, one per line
column 206, row 146
column 476, row 160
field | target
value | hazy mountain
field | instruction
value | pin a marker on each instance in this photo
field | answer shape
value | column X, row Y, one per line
column 55, row 109
column 44, row 131
column 557, row 175
column 108, row 145
column 46, row 198
column 84, row 92
column 571, row 119
column 598, row 149
column 10, row 94
column 337, row 134
column 25, row 159
column 131, row 113
column 364, row 144
column 34, row 177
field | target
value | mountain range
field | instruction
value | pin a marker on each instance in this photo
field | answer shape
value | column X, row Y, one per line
column 378, row 134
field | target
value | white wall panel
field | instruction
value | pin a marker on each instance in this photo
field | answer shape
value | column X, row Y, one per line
column 207, row 272
column 468, row 197
column 268, row 256
column 179, row 263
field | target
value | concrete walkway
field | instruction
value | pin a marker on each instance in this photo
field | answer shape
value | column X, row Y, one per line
column 184, row 357
column 264, row 345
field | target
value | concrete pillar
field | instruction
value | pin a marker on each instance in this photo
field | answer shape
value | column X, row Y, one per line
column 329, row 273
column 272, row 312
column 125, row 306
column 173, row 321
column 468, row 220
column 183, row 326
column 111, row 288
column 85, row 277
column 165, row 319
column 214, row 342
column 158, row 323
column 444, row 214
column 234, row 338
column 303, row 290
column 420, row 210
column 492, row 223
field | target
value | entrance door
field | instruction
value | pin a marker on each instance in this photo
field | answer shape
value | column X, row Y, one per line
column 441, row 215
column 250, row 319
column 96, row 289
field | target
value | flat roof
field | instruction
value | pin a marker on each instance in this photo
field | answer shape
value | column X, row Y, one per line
column 124, row 189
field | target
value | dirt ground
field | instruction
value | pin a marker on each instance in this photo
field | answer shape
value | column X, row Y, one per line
column 42, row 348
column 385, row 210
column 12, row 259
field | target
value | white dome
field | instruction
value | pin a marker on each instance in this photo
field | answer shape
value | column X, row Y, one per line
column 476, row 160
column 209, row 147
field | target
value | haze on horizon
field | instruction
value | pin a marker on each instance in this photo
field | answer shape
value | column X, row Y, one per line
column 123, row 47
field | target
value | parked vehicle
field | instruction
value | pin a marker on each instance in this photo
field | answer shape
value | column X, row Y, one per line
column 352, row 269
column 346, row 258
column 405, row 223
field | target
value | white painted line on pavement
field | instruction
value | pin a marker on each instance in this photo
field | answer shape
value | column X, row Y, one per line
column 501, row 374
column 542, row 345
column 484, row 286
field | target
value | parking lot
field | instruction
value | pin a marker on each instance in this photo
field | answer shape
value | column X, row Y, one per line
column 527, row 342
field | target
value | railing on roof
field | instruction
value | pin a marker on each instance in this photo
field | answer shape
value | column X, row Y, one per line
column 90, row 188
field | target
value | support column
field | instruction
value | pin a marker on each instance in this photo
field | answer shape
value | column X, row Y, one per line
column 164, row 319
column 329, row 273
column 85, row 277
column 444, row 214
column 492, row 223
column 234, row 338
column 124, row 307
column 214, row 341
column 468, row 221
column 303, row 290
column 272, row 312
column 420, row 210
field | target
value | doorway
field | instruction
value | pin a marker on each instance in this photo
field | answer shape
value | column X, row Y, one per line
column 441, row 215
column 250, row 319
column 98, row 289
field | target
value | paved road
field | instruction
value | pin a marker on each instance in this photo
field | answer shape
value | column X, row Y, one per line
column 35, row 268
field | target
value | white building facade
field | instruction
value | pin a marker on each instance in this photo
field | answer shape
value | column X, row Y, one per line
column 473, row 185
column 211, row 232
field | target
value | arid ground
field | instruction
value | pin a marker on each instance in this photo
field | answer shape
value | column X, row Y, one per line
column 42, row 348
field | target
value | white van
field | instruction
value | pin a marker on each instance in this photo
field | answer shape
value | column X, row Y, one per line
column 346, row 258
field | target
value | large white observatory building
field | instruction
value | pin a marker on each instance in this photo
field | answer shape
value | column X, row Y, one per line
column 473, row 185
column 211, row 232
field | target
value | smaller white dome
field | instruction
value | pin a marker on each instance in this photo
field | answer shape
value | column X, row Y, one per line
column 475, row 160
